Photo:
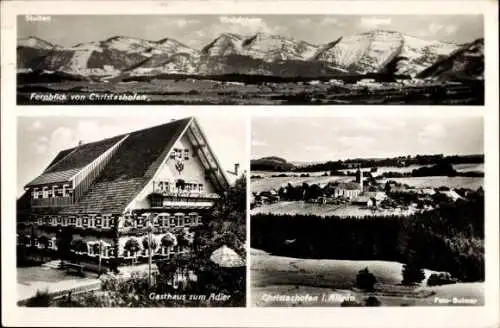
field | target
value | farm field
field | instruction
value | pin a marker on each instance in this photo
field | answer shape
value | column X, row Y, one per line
column 436, row 182
column 277, row 275
column 302, row 208
column 265, row 184
column 466, row 167
column 165, row 91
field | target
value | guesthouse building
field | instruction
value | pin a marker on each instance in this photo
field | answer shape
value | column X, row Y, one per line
column 102, row 199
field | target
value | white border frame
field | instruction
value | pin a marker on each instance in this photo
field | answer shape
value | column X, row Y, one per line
column 485, row 316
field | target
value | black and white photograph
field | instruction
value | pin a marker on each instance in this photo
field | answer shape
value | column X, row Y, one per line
column 367, row 211
column 250, row 59
column 131, row 212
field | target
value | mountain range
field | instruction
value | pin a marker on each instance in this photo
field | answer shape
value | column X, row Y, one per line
column 377, row 51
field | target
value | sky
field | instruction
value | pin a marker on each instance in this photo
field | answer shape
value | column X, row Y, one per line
column 319, row 139
column 199, row 30
column 39, row 139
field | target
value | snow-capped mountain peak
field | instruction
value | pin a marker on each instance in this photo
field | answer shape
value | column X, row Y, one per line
column 34, row 42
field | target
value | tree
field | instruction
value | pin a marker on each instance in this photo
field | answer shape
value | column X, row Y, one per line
column 412, row 274
column 131, row 245
column 372, row 301
column 168, row 240
column 365, row 280
column 79, row 245
column 145, row 243
column 64, row 239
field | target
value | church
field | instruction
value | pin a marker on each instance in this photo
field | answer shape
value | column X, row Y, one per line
column 103, row 199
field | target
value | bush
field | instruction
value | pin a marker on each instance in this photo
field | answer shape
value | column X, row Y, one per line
column 372, row 301
column 440, row 279
column 347, row 303
column 365, row 280
column 41, row 299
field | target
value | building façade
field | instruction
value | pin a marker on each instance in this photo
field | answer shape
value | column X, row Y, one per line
column 101, row 199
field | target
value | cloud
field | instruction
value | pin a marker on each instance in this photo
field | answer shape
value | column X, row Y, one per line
column 181, row 23
column 374, row 22
column 435, row 28
column 241, row 25
column 431, row 133
column 451, row 29
column 315, row 148
column 330, row 21
column 357, row 142
column 36, row 125
column 304, row 21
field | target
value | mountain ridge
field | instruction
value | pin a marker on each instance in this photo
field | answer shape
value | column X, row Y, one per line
column 230, row 53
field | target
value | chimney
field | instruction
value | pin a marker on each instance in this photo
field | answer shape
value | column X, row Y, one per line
column 80, row 142
column 236, row 169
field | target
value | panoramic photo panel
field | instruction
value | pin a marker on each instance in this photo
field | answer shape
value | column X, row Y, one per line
column 131, row 212
column 250, row 59
column 367, row 211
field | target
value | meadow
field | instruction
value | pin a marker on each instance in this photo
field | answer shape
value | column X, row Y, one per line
column 211, row 92
column 303, row 208
column 440, row 181
column 278, row 275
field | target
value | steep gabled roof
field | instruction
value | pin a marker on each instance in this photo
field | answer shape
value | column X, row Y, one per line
column 70, row 161
column 348, row 186
column 128, row 171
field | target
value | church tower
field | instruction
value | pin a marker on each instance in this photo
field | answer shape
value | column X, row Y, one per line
column 359, row 178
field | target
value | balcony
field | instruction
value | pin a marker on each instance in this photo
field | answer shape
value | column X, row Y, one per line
column 182, row 200
column 51, row 202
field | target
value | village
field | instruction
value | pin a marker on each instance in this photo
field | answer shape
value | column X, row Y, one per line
column 362, row 192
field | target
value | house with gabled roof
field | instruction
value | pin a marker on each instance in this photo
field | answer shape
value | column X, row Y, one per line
column 105, row 193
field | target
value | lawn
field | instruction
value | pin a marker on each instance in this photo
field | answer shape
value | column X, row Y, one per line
column 31, row 279
column 277, row 275
column 303, row 208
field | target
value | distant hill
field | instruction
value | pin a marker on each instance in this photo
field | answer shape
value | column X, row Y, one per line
column 271, row 163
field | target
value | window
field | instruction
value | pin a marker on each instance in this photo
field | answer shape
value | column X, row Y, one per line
column 156, row 201
column 178, row 153
column 59, row 220
column 72, row 220
column 98, row 221
column 58, row 191
column 179, row 219
column 67, row 192
column 85, row 221
column 164, row 220
column 44, row 192
column 186, row 154
column 160, row 186
column 200, row 187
